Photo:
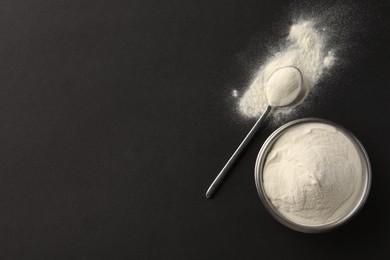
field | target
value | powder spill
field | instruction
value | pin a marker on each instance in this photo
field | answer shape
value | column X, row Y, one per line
column 304, row 48
column 312, row 174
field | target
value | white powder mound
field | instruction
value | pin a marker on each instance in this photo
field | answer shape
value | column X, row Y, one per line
column 304, row 49
column 283, row 87
column 312, row 174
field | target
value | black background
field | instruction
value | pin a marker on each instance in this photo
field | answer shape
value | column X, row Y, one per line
column 115, row 116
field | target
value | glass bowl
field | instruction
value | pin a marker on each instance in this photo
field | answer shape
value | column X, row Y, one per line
column 360, row 197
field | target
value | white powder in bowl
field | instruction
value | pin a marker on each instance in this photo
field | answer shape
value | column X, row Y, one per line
column 312, row 174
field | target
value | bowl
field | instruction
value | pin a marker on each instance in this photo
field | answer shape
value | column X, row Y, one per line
column 318, row 228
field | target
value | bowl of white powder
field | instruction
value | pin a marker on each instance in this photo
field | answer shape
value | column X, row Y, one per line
column 312, row 175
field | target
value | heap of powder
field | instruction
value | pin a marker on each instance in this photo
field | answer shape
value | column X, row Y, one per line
column 312, row 174
column 284, row 87
column 305, row 49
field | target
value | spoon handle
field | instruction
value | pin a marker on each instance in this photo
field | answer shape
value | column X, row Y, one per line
column 225, row 170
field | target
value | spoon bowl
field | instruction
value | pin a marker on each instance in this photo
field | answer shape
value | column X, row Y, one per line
column 284, row 86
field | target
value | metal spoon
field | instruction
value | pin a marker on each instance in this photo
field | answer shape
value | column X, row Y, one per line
column 276, row 84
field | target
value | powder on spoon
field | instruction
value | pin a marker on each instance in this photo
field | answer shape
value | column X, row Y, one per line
column 304, row 48
column 312, row 174
column 283, row 87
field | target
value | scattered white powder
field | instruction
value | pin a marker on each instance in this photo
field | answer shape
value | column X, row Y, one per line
column 235, row 93
column 312, row 174
column 329, row 60
column 283, row 87
column 305, row 49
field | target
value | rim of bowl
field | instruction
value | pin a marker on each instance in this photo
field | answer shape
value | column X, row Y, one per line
column 361, row 198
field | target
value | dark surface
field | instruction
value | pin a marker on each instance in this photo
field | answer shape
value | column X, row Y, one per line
column 117, row 115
